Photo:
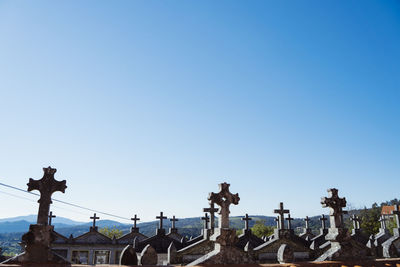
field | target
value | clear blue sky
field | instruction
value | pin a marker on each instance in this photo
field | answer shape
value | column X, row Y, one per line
column 146, row 106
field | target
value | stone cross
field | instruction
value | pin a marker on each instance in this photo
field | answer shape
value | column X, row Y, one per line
column 307, row 220
column 46, row 186
column 51, row 216
column 206, row 220
column 161, row 218
column 212, row 211
column 173, row 220
column 135, row 219
column 382, row 220
column 289, row 221
column 396, row 214
column 278, row 225
column 94, row 218
column 323, row 221
column 246, row 220
column 224, row 199
column 356, row 222
column 281, row 213
column 335, row 204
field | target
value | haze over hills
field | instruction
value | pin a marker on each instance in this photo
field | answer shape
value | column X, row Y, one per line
column 189, row 226
column 32, row 219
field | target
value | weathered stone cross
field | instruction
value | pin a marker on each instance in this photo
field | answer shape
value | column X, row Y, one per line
column 173, row 220
column 307, row 220
column 335, row 205
column 356, row 222
column 281, row 213
column 135, row 219
column 396, row 214
column 246, row 220
column 206, row 220
column 383, row 220
column 94, row 218
column 289, row 221
column 323, row 221
column 224, row 199
column 46, row 186
column 211, row 210
column 161, row 218
column 51, row 216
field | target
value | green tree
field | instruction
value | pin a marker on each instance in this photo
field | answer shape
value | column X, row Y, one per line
column 370, row 219
column 391, row 223
column 111, row 232
column 260, row 229
column 239, row 232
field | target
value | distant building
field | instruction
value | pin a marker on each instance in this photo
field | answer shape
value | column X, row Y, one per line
column 387, row 210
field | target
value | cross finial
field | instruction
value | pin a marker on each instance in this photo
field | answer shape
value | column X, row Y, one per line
column 206, row 220
column 335, row 204
column 396, row 214
column 51, row 216
column 212, row 211
column 135, row 219
column 46, row 186
column 224, row 199
column 356, row 221
column 246, row 220
column 289, row 223
column 307, row 220
column 161, row 218
column 173, row 220
column 281, row 211
column 94, row 218
column 323, row 221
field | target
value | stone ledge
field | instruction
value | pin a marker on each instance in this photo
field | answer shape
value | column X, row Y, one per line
column 375, row 263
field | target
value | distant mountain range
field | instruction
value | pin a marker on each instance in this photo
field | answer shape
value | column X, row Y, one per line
column 33, row 218
column 188, row 226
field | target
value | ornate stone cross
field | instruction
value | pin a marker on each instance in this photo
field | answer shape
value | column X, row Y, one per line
column 323, row 221
column 94, row 218
column 396, row 214
column 161, row 218
column 46, row 186
column 307, row 220
column 224, row 199
column 281, row 213
column 173, row 220
column 211, row 210
column 246, row 220
column 289, row 221
column 51, row 216
column 206, row 220
column 135, row 219
column 356, row 222
column 335, row 204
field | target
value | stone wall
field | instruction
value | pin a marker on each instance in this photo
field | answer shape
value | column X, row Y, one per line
column 376, row 263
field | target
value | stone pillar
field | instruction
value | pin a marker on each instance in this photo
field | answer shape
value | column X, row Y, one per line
column 112, row 256
column 91, row 257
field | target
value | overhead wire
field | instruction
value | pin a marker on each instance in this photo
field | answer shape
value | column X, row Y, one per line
column 60, row 201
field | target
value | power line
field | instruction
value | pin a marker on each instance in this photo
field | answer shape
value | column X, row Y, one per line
column 32, row 200
column 24, row 198
column 63, row 202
